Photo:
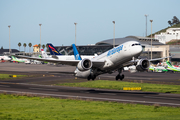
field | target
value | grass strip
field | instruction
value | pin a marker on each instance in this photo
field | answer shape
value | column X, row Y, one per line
column 118, row 85
column 7, row 76
column 17, row 107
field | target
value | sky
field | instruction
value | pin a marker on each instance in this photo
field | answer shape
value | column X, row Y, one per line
column 93, row 17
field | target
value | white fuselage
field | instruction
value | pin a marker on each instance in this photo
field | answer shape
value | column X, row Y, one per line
column 119, row 55
column 5, row 58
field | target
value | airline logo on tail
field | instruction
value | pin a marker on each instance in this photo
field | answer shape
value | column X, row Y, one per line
column 76, row 53
column 13, row 58
column 53, row 50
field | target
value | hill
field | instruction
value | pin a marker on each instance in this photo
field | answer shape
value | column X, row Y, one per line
column 173, row 42
column 164, row 30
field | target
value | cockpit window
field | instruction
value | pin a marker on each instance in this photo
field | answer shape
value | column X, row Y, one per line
column 136, row 44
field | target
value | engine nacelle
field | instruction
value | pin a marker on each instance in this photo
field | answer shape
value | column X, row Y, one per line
column 142, row 65
column 82, row 74
column 84, row 65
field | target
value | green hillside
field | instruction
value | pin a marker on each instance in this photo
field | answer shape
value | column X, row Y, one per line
column 164, row 30
column 173, row 42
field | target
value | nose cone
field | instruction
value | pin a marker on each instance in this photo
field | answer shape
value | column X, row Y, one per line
column 136, row 50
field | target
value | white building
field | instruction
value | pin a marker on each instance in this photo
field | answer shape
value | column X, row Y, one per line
column 170, row 34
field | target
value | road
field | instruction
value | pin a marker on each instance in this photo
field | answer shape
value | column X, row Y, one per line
column 46, row 75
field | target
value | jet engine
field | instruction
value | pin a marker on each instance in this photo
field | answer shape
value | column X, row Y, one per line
column 84, row 65
column 142, row 65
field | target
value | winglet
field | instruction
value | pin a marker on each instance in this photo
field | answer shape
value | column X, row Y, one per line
column 53, row 50
column 76, row 53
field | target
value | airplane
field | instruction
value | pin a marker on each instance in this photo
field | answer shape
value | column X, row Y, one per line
column 55, row 54
column 108, row 62
column 171, row 67
column 5, row 58
column 158, row 69
column 14, row 59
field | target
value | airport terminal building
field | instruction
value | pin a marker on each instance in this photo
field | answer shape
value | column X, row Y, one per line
column 158, row 49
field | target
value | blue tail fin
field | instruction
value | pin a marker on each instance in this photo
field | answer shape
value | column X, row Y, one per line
column 76, row 53
column 53, row 50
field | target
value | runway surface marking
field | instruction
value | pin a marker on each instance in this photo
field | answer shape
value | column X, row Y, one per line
column 94, row 98
column 162, row 98
column 107, row 93
column 43, row 89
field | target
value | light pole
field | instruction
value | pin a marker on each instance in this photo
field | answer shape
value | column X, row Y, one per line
column 151, row 37
column 9, row 40
column 146, row 23
column 114, row 35
column 75, row 32
column 40, row 38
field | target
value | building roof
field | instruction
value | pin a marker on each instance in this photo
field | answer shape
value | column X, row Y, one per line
column 36, row 45
column 143, row 40
column 7, row 50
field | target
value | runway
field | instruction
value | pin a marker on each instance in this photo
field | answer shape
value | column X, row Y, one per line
column 91, row 94
column 47, row 75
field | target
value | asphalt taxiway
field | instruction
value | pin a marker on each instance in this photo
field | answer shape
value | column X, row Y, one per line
column 47, row 75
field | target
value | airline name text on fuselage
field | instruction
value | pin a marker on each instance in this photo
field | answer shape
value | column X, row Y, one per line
column 114, row 50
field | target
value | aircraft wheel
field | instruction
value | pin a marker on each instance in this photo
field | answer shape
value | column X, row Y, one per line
column 122, row 77
column 89, row 77
column 117, row 77
column 93, row 77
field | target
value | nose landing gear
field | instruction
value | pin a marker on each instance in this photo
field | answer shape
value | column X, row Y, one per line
column 119, row 76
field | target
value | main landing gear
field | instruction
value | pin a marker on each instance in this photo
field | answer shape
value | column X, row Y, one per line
column 119, row 76
column 91, row 77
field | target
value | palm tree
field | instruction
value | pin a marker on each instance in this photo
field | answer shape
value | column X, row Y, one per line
column 47, row 48
column 30, row 44
column 24, row 46
column 43, row 46
column 19, row 44
column 39, row 47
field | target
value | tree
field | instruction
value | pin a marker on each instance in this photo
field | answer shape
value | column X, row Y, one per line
column 175, row 20
column 30, row 44
column 24, row 46
column 170, row 23
column 39, row 45
column 43, row 46
column 19, row 44
column 1, row 47
column 47, row 48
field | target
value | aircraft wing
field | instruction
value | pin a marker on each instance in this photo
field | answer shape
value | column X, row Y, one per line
column 67, row 62
column 129, row 63
column 159, row 58
column 98, row 63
